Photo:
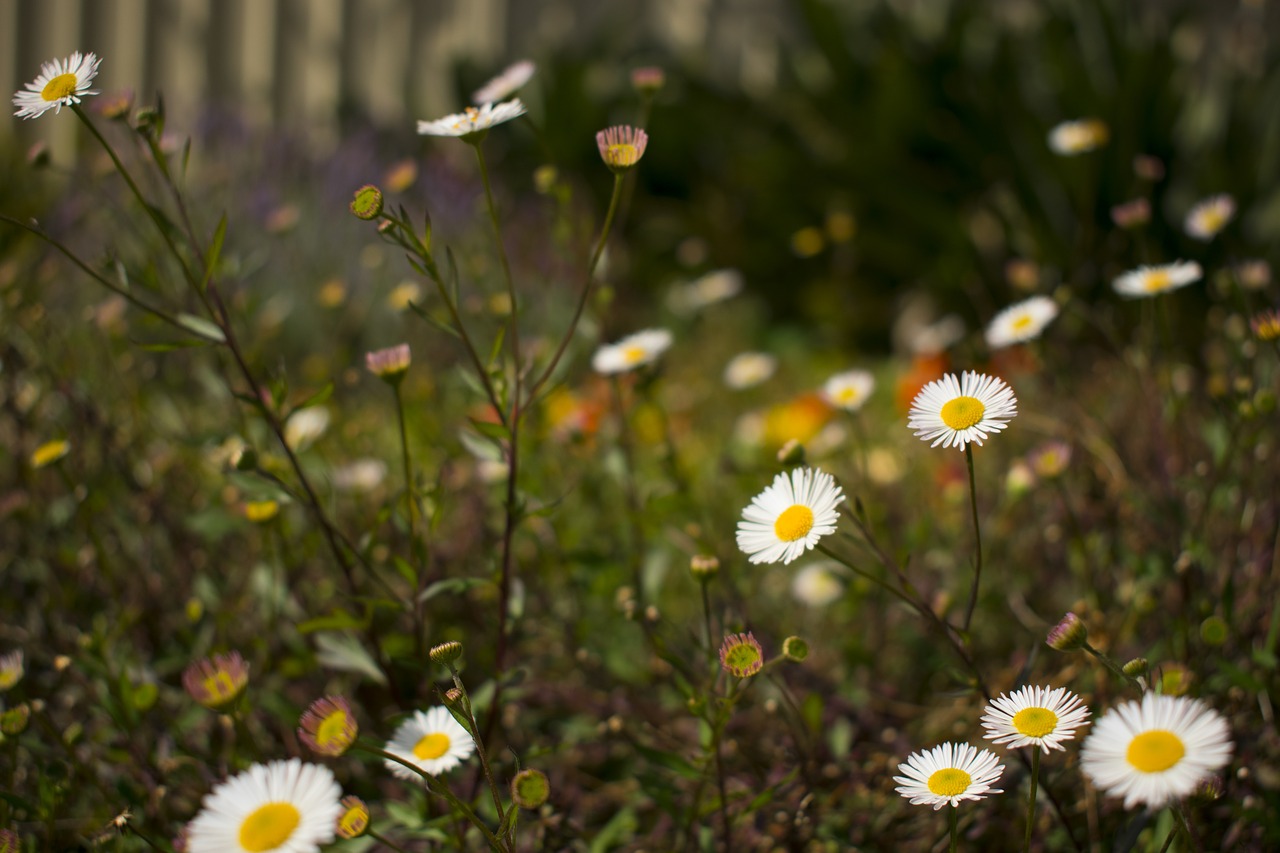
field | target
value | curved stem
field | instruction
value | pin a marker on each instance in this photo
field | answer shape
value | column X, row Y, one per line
column 977, row 538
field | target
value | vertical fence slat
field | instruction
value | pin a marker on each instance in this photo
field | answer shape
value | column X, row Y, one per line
column 320, row 71
column 257, row 34
column 11, row 75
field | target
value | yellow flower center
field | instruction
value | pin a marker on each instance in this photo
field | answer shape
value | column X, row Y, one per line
column 1035, row 722
column 332, row 728
column 633, row 355
column 1022, row 323
column 794, row 523
column 963, row 412
column 1157, row 281
column 220, row 687
column 269, row 827
column 431, row 746
column 62, row 86
column 1155, row 751
column 1211, row 221
column 949, row 782
column 621, row 154
column 847, row 395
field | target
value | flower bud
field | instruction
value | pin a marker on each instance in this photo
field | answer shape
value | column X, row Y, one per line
column 530, row 789
column 1069, row 634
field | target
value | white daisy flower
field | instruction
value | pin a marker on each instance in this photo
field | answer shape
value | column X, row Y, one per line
column 1022, row 321
column 953, row 412
column 1210, row 216
column 305, row 426
column 947, row 774
column 817, row 584
column 474, row 121
column 748, row 369
column 849, row 390
column 1155, row 751
column 715, row 286
column 1035, row 716
column 1077, row 137
column 431, row 739
column 61, row 83
column 632, row 351
column 790, row 516
column 1149, row 281
column 285, row 806
column 505, row 84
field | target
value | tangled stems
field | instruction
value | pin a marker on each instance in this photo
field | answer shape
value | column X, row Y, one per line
column 977, row 538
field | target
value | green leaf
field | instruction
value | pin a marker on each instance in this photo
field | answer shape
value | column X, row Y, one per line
column 315, row 399
column 488, row 429
column 339, row 620
column 615, row 832
column 168, row 346
column 345, row 654
column 202, row 328
column 215, row 248
column 451, row 585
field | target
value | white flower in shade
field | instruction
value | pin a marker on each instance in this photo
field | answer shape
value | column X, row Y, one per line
column 1150, row 281
column 475, row 121
column 1155, row 751
column 849, row 390
column 61, row 83
column 790, row 516
column 748, row 369
column 433, row 740
column 632, row 351
column 1210, row 216
column 817, row 584
column 1022, row 321
column 1077, row 137
column 953, row 412
column 1035, row 716
column 305, row 426
column 505, row 84
column 284, row 806
column 947, row 774
column 715, row 286
column 362, row 475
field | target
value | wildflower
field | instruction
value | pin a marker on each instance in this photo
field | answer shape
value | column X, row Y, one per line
column 360, row 475
column 1155, row 751
column 631, row 352
column 328, row 727
column 431, row 740
column 748, row 369
column 1068, row 635
column 1035, row 716
column 506, row 84
column 817, row 584
column 1022, row 274
column 530, row 788
column 1253, row 274
column 715, row 286
column 704, row 566
column 1077, row 137
column 1266, row 325
column 1022, row 321
column 789, row 516
column 621, row 147
column 446, row 653
column 305, row 426
column 1050, row 459
column 366, row 203
column 1149, row 281
column 795, row 649
column 1131, row 214
column 11, row 669
column 283, row 805
column 49, row 453
column 354, row 818
column 741, row 655
column 59, row 84
column 947, row 774
column 849, row 390
column 474, row 123
column 13, row 722
column 260, row 512
column 1206, row 218
column 218, row 681
column 953, row 412
column 648, row 80
column 1136, row 668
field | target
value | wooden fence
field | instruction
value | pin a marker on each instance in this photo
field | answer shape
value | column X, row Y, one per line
column 298, row 63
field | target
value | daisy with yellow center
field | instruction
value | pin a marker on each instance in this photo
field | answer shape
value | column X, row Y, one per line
column 849, row 390
column 472, row 124
column 955, row 411
column 61, row 83
column 431, row 740
column 1023, row 321
column 621, row 147
column 790, row 516
column 947, row 774
column 1266, row 325
column 1079, row 136
column 218, row 681
column 1210, row 216
column 284, row 806
column 1156, row 751
column 1150, row 281
column 631, row 352
column 328, row 727
column 1035, row 716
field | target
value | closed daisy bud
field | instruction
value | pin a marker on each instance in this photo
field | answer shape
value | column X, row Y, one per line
column 367, row 202
column 741, row 655
column 217, row 682
column 621, row 147
column 1068, row 635
column 328, row 727
column 795, row 648
column 1136, row 668
column 389, row 364
column 354, row 820
column 530, row 789
column 13, row 721
column 704, row 566
column 446, row 653
column 648, row 80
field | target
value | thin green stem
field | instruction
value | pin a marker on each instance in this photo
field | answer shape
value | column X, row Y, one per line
column 977, row 538
column 706, row 613
column 1114, row 667
column 1184, row 824
column 480, row 750
column 953, row 827
column 410, row 502
column 513, row 335
column 384, row 841
column 1031, row 800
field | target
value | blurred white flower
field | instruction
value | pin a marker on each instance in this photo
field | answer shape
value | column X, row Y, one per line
column 817, row 584
column 747, row 369
column 305, row 426
column 506, row 84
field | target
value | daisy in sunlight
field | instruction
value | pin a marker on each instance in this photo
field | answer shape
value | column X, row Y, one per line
column 1020, row 322
column 431, row 740
column 284, row 805
column 947, row 774
column 1151, row 281
column 955, row 411
column 61, row 83
column 790, row 516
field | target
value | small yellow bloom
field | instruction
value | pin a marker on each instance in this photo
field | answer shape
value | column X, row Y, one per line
column 50, row 452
